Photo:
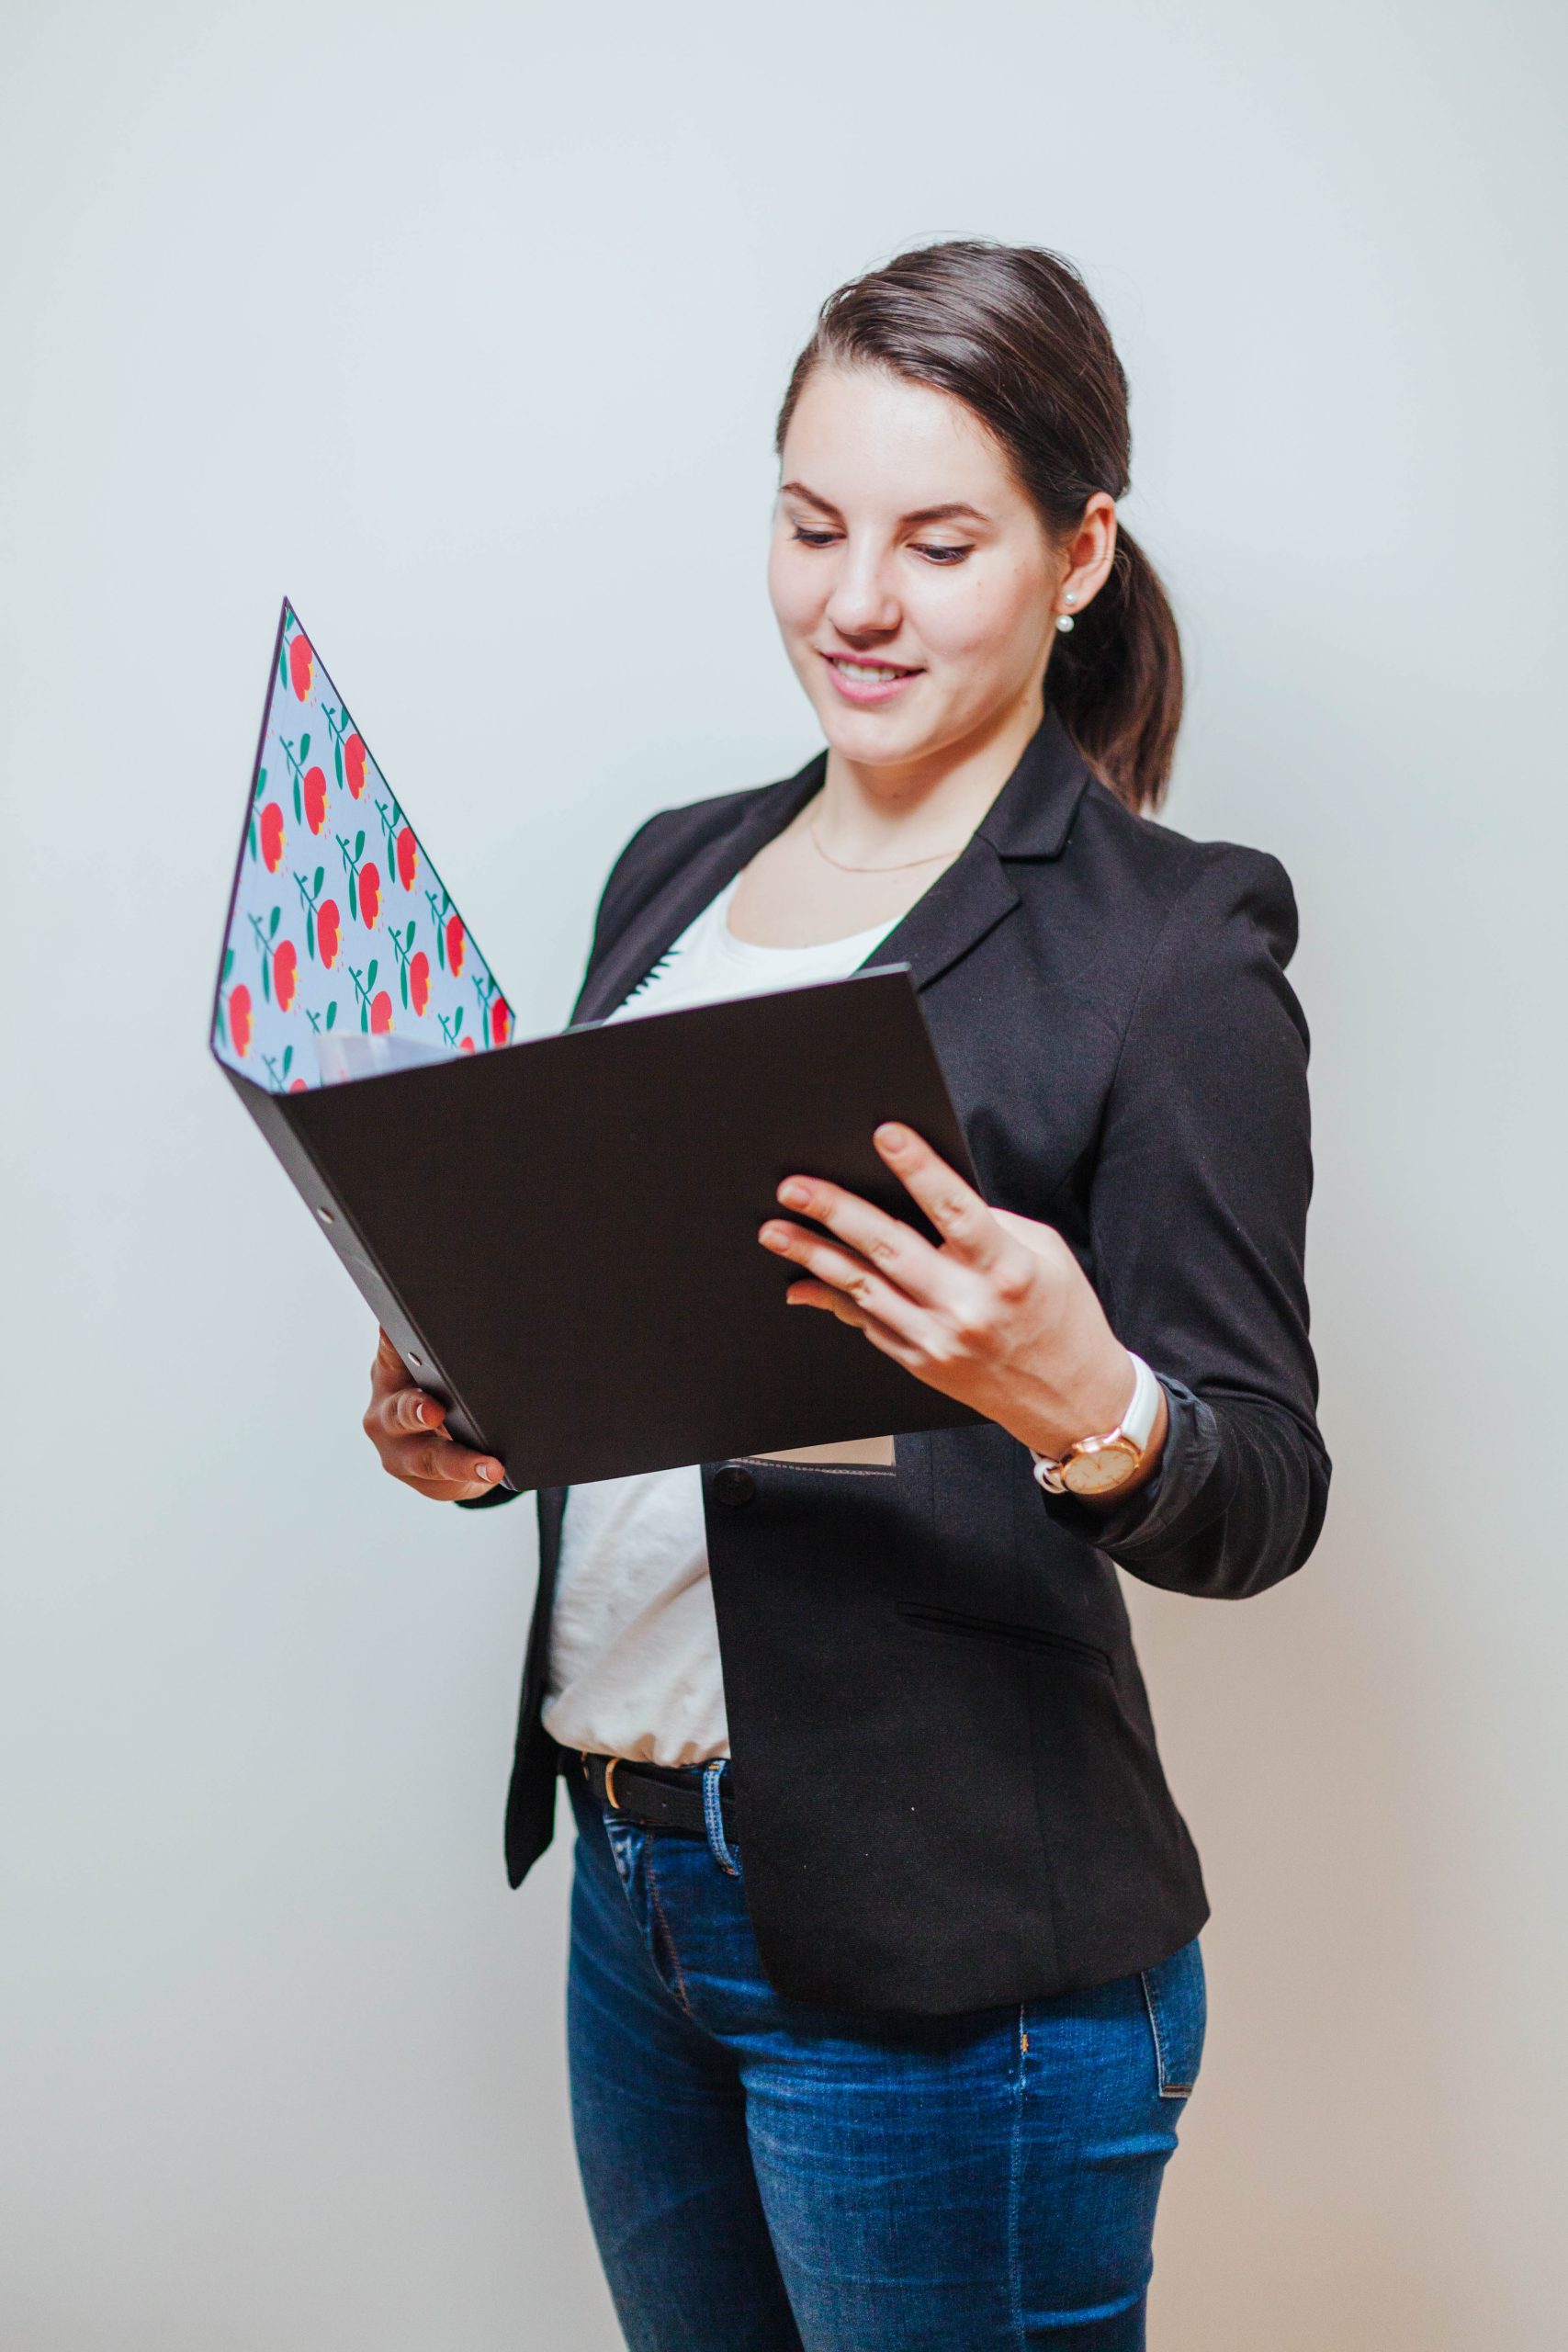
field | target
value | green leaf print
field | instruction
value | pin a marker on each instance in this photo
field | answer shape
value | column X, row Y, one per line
column 370, row 974
column 457, row 1022
column 359, row 843
column 310, row 933
column 408, row 937
column 288, row 1058
column 227, row 961
column 275, row 919
column 353, row 894
column 331, row 1013
column 304, row 749
column 316, row 886
column 266, row 978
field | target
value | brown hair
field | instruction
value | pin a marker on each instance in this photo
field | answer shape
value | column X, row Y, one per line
column 1012, row 332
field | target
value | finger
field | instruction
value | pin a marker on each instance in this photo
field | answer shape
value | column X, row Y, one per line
column 822, row 1294
column 956, row 1210
column 832, row 1263
column 388, row 1370
column 895, row 1249
column 438, row 1461
column 405, row 1411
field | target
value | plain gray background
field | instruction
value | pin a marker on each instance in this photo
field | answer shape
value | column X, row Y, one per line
column 467, row 326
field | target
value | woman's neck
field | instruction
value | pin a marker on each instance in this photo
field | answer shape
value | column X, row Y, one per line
column 873, row 814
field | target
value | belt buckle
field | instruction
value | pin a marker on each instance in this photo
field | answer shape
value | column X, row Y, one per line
column 610, row 1764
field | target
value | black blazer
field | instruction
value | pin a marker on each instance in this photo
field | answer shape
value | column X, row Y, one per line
column 947, row 1785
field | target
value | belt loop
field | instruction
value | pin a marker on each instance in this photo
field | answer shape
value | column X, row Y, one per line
column 713, row 1814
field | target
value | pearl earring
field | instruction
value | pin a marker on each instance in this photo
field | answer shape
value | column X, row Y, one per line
column 1064, row 622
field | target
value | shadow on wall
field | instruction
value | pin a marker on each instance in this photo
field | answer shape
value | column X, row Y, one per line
column 1328, row 2137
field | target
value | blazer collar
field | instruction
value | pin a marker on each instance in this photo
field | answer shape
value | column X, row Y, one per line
column 1031, row 818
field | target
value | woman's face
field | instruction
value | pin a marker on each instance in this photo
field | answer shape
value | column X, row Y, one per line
column 914, row 583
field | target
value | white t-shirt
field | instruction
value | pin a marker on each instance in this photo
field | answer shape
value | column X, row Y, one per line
column 634, row 1649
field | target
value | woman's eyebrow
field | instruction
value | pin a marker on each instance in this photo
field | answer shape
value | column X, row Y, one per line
column 944, row 514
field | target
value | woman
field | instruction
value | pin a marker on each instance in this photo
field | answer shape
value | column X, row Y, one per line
column 886, row 1991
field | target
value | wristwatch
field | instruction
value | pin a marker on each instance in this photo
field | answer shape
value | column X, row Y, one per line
column 1097, row 1465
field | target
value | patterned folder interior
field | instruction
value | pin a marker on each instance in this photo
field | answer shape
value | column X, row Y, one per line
column 345, row 954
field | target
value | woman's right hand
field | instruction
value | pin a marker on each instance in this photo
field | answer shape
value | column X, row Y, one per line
column 408, row 1429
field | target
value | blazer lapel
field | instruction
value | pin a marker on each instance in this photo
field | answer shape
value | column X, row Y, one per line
column 1031, row 818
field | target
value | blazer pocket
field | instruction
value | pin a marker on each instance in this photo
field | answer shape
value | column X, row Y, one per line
column 936, row 1620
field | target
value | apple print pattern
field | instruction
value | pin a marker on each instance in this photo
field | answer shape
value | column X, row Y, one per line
column 339, row 919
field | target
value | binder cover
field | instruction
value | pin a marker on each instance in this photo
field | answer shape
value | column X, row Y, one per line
column 559, row 1236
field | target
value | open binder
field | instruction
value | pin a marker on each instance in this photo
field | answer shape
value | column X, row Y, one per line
column 559, row 1235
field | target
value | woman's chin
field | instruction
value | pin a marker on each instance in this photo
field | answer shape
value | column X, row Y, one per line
column 873, row 738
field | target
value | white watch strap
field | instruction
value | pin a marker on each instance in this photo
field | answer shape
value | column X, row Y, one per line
column 1137, row 1423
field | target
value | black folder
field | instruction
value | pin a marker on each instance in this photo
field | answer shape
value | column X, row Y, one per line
column 560, row 1235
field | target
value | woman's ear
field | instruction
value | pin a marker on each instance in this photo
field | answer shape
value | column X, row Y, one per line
column 1089, row 554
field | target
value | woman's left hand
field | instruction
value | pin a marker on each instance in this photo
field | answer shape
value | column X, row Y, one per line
column 1000, row 1315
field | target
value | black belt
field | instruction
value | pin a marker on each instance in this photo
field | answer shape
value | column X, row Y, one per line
column 660, row 1796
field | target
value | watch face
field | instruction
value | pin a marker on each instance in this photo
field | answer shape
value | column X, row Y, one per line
column 1101, row 1467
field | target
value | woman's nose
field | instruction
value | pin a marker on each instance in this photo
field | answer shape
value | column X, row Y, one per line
column 862, row 602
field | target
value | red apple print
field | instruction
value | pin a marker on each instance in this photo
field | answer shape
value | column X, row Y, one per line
column 353, row 764
column 315, row 798
column 329, row 928
column 272, row 836
column 301, row 665
column 284, row 973
column 419, row 980
column 466, row 1046
column 239, row 1019
column 454, row 943
column 408, row 857
column 500, row 1021
column 296, row 1086
column 369, row 894
column 381, row 1013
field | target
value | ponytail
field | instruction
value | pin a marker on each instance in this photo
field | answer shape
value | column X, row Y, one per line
column 1116, row 680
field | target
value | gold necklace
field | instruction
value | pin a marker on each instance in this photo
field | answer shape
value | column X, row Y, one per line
column 901, row 866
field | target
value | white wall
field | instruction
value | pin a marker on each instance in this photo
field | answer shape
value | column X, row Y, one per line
column 467, row 326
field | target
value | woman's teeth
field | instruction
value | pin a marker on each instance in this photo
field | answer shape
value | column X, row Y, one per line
column 871, row 673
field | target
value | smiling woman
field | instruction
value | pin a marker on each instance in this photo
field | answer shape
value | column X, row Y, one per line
column 885, row 1990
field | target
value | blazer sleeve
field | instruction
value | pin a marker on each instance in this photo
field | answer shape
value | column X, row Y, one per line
column 1198, row 1224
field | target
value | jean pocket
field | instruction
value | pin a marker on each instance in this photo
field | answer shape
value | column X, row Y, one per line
column 1176, row 1998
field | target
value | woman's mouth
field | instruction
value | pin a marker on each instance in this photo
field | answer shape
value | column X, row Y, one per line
column 868, row 682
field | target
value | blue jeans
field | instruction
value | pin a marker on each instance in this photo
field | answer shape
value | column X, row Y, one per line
column 765, row 2176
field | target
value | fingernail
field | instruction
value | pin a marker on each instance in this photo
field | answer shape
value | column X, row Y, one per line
column 419, row 1410
column 773, row 1236
column 794, row 1195
column 484, row 1471
column 890, row 1136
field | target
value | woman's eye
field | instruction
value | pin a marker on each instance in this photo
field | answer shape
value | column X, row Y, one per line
column 944, row 555
column 815, row 538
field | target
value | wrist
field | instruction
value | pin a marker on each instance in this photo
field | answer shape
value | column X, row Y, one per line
column 1092, row 1400
column 1119, row 1449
